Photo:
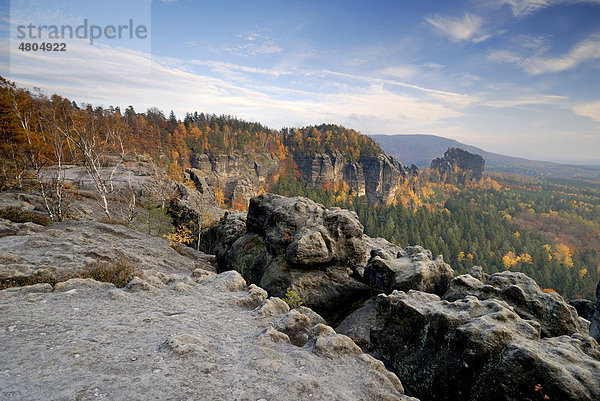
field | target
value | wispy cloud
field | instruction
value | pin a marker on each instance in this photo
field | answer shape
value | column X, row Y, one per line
column 590, row 110
column 399, row 72
column 367, row 104
column 539, row 63
column 252, row 44
column 521, row 8
column 469, row 27
column 529, row 100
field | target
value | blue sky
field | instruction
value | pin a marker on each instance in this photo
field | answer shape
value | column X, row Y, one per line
column 519, row 77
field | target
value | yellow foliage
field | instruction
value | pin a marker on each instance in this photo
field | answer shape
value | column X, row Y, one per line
column 219, row 196
column 564, row 255
column 517, row 234
column 582, row 273
column 509, row 260
column 181, row 235
column 525, row 258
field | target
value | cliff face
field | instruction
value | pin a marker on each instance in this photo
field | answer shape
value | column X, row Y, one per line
column 374, row 177
column 242, row 176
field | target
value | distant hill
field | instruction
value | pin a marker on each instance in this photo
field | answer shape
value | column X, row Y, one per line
column 422, row 149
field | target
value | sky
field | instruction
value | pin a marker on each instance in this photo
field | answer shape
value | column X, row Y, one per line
column 517, row 77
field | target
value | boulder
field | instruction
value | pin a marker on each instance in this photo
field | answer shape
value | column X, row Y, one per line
column 305, row 232
column 218, row 239
column 297, row 244
column 411, row 268
column 473, row 349
column 522, row 293
column 295, row 325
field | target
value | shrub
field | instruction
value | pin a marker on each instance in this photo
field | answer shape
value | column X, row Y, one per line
column 292, row 299
column 119, row 272
column 17, row 215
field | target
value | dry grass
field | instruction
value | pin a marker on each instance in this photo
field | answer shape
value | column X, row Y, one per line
column 17, row 215
column 118, row 272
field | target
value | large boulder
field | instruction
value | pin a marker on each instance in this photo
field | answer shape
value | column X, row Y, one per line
column 522, row 293
column 409, row 269
column 299, row 245
column 473, row 349
column 305, row 232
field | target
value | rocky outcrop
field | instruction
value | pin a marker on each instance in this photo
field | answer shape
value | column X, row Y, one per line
column 464, row 164
column 307, row 233
column 176, row 338
column 66, row 249
column 321, row 254
column 218, row 239
column 297, row 244
column 238, row 176
column 411, row 268
column 522, row 293
column 374, row 177
column 473, row 349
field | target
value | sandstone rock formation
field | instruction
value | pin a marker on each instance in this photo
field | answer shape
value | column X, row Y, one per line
column 467, row 165
column 239, row 176
column 374, row 177
column 410, row 269
column 297, row 244
column 522, row 293
column 473, row 349
column 175, row 338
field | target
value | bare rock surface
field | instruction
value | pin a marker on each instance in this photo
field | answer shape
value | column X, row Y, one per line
column 473, row 349
column 521, row 292
column 410, row 269
column 176, row 338
column 66, row 248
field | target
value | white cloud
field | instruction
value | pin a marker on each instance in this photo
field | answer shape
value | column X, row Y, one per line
column 539, row 63
column 400, row 72
column 590, row 110
column 529, row 100
column 371, row 105
column 524, row 7
column 521, row 8
column 458, row 29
